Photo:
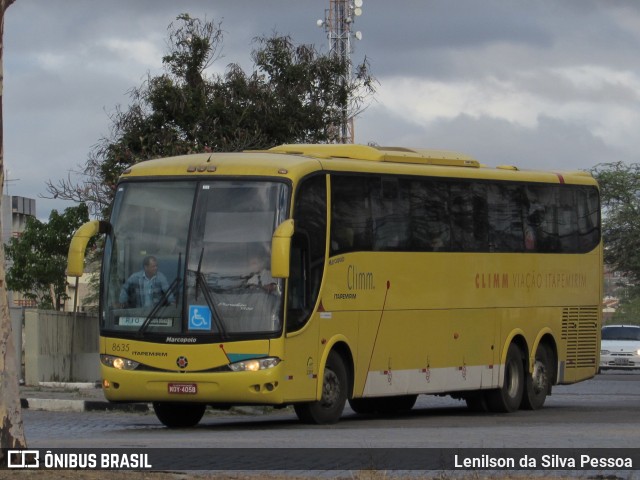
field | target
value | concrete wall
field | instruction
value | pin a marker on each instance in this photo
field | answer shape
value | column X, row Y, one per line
column 60, row 347
column 17, row 317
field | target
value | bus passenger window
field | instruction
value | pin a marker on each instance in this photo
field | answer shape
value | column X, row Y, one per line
column 351, row 217
column 505, row 218
column 390, row 211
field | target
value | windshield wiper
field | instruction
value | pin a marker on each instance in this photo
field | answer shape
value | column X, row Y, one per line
column 202, row 282
column 163, row 300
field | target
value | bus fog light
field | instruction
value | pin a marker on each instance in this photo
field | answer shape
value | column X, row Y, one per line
column 254, row 364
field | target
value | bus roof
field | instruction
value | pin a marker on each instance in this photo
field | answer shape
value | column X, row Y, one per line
column 297, row 160
column 380, row 154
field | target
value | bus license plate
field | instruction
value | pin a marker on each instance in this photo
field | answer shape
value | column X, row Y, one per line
column 622, row 361
column 182, row 388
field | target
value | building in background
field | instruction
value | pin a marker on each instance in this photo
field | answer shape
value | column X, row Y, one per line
column 15, row 211
column 79, row 293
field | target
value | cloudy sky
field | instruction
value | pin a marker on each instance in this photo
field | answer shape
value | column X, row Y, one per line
column 550, row 84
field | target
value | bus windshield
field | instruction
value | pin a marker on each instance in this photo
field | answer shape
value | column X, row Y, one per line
column 187, row 258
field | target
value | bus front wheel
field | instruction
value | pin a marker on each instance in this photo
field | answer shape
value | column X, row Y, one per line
column 179, row 415
column 509, row 396
column 329, row 408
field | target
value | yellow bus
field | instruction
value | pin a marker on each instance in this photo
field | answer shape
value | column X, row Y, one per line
column 315, row 275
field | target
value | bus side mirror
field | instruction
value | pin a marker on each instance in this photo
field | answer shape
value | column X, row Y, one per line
column 75, row 259
column 281, row 249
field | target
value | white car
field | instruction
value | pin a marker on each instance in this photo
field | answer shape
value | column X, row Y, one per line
column 620, row 347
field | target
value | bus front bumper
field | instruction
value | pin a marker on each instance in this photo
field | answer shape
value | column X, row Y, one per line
column 263, row 387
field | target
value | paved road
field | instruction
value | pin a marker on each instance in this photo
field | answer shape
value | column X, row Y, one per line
column 601, row 413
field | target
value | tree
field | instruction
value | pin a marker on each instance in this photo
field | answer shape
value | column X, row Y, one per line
column 11, row 429
column 628, row 311
column 39, row 256
column 292, row 95
column 620, row 198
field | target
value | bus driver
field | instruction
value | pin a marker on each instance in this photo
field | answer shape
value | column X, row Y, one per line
column 146, row 287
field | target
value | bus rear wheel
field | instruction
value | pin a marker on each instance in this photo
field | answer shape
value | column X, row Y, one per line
column 179, row 415
column 538, row 383
column 509, row 397
column 329, row 408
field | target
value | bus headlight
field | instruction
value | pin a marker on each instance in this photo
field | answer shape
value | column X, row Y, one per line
column 118, row 362
column 604, row 352
column 254, row 364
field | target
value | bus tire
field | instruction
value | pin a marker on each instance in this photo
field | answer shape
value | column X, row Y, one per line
column 179, row 415
column 538, row 383
column 509, row 397
column 328, row 409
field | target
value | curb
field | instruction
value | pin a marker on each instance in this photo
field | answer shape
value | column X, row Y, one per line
column 62, row 405
column 75, row 405
column 71, row 405
column 66, row 405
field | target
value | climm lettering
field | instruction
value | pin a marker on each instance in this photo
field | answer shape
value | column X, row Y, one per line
column 357, row 280
column 492, row 280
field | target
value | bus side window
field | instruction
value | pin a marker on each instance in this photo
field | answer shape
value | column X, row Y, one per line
column 298, row 305
column 342, row 239
column 308, row 251
column 351, row 216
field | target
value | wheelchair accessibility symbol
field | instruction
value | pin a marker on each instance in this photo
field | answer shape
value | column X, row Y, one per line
column 199, row 317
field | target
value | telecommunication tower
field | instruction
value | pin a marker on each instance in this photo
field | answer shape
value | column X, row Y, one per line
column 338, row 20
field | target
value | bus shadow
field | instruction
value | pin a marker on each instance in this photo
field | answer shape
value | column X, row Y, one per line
column 287, row 420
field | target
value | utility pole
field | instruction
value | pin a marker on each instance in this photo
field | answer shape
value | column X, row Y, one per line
column 338, row 21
